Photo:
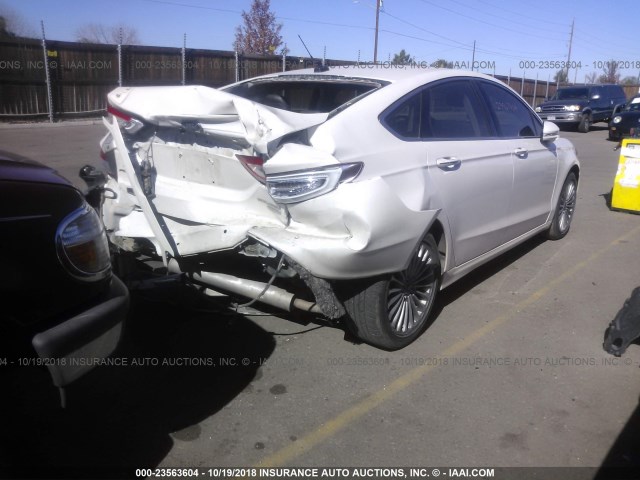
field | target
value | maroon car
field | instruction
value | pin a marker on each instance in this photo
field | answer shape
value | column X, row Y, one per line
column 62, row 306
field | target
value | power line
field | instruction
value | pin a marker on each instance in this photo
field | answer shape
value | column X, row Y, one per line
column 526, row 24
column 517, row 54
column 424, row 30
column 461, row 47
column 188, row 5
column 528, row 17
column 292, row 19
column 488, row 23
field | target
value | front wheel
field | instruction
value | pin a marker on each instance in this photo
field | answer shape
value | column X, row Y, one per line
column 585, row 123
column 393, row 310
column 564, row 208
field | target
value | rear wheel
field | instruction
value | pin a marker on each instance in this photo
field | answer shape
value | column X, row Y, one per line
column 564, row 209
column 393, row 311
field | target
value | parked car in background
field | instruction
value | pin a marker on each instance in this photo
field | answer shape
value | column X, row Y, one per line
column 62, row 306
column 626, row 120
column 372, row 188
column 582, row 105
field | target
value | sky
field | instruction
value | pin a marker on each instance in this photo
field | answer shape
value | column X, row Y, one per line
column 515, row 37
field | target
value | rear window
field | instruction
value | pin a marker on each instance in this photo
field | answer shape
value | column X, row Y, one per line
column 304, row 96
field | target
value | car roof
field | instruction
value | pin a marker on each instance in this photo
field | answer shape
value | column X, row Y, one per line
column 386, row 73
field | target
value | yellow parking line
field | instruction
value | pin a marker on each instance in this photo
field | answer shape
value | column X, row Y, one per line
column 342, row 420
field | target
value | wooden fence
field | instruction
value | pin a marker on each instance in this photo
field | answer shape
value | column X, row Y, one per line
column 81, row 75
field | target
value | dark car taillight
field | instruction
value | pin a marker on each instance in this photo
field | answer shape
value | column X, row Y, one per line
column 82, row 245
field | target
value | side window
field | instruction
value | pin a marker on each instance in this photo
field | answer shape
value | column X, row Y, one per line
column 451, row 110
column 512, row 116
column 404, row 119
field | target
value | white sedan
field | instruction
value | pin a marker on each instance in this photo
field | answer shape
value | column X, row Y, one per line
column 355, row 193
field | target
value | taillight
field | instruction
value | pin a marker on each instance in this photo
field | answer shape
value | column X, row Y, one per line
column 126, row 121
column 297, row 186
column 254, row 166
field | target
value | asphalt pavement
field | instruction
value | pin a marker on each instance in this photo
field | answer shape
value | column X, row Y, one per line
column 511, row 373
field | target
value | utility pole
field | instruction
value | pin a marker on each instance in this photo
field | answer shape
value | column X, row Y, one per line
column 473, row 56
column 570, row 43
column 375, row 46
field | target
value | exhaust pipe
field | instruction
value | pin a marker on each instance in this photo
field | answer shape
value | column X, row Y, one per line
column 274, row 296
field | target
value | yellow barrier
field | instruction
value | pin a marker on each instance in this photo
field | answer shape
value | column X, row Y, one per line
column 626, row 186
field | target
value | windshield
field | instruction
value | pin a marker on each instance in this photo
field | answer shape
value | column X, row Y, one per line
column 303, row 95
column 633, row 105
column 578, row 93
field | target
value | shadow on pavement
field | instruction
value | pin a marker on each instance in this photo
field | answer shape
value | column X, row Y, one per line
column 483, row 273
column 623, row 459
column 128, row 416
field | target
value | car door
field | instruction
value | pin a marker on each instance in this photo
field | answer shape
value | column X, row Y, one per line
column 471, row 170
column 599, row 103
column 535, row 164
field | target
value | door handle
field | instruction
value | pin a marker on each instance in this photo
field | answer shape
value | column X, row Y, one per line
column 521, row 152
column 448, row 164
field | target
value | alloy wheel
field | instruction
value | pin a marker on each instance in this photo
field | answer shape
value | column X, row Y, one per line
column 411, row 292
column 567, row 206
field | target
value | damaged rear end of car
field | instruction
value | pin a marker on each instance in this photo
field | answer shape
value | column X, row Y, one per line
column 244, row 198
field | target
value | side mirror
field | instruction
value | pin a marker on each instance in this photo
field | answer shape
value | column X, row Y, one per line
column 550, row 132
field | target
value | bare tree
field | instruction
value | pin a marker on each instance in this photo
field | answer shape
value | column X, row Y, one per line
column 591, row 77
column 99, row 33
column 441, row 63
column 402, row 58
column 561, row 76
column 259, row 33
column 611, row 73
column 12, row 24
column 629, row 81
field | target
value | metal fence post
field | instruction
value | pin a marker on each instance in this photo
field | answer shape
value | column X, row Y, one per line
column 184, row 57
column 46, row 72
column 524, row 72
column 284, row 58
column 237, row 68
column 120, row 58
column 546, row 93
column 535, row 91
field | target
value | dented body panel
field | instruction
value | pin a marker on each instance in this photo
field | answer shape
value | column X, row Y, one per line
column 200, row 172
column 204, row 200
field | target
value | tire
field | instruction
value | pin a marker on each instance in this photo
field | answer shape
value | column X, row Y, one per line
column 565, row 209
column 391, row 311
column 585, row 123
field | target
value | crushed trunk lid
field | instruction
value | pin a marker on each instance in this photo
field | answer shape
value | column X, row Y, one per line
column 218, row 113
column 188, row 192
